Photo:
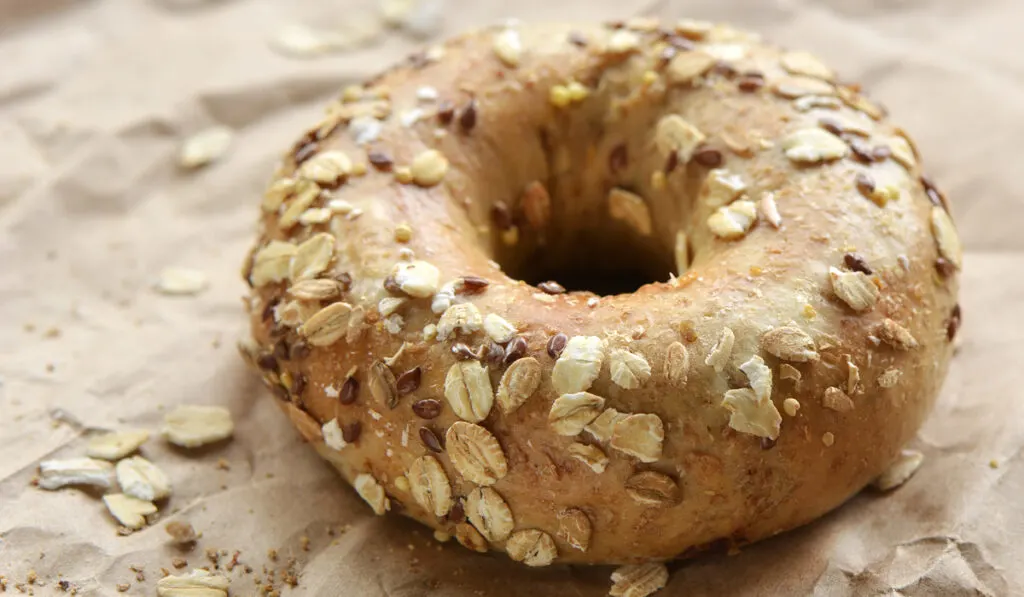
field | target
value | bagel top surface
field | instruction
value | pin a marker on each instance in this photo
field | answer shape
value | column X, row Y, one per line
column 796, row 339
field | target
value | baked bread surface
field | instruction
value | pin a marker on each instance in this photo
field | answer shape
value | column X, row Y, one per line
column 797, row 346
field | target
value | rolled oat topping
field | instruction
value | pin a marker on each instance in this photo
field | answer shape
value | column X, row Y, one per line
column 475, row 453
column 570, row 413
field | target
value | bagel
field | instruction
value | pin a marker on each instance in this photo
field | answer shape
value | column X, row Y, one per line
column 790, row 320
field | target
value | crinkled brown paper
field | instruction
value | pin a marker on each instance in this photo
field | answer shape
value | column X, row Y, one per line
column 96, row 97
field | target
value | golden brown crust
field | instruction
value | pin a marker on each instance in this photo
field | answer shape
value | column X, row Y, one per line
column 800, row 346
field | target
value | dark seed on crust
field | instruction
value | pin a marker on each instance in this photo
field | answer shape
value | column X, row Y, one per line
column 953, row 325
column 409, row 381
column 430, row 439
column 473, row 284
column 618, row 159
column 267, row 362
column 557, row 344
column 467, row 119
column 831, row 126
column 281, row 351
column 881, row 153
column 671, row 162
column 305, row 152
column 767, row 443
column 945, row 267
column 350, row 431
column 725, row 69
column 281, row 392
column 515, row 350
column 708, row 157
column 865, row 184
column 457, row 514
column 494, row 354
column 268, row 309
column 856, row 263
column 551, row 287
column 680, row 43
column 501, row 215
column 391, row 285
column 300, row 350
column 463, row 352
column 349, row 391
column 750, row 82
column 379, row 159
column 427, row 408
column 345, row 279
column 577, row 39
column 933, row 193
column 298, row 384
column 445, row 111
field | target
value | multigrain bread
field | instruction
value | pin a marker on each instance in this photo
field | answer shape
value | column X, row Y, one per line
column 797, row 337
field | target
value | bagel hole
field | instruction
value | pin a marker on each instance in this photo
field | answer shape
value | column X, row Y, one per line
column 604, row 262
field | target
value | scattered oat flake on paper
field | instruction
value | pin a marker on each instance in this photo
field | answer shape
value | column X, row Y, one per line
column 181, row 281
column 116, row 445
column 303, row 41
column 54, row 474
column 205, row 147
column 198, row 583
column 129, row 511
column 191, row 426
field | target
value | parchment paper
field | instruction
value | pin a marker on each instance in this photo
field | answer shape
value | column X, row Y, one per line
column 96, row 97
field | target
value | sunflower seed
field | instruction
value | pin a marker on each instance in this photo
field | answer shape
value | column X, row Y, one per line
column 630, row 208
column 677, row 363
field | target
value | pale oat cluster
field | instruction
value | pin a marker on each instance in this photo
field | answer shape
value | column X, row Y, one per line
column 110, row 464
